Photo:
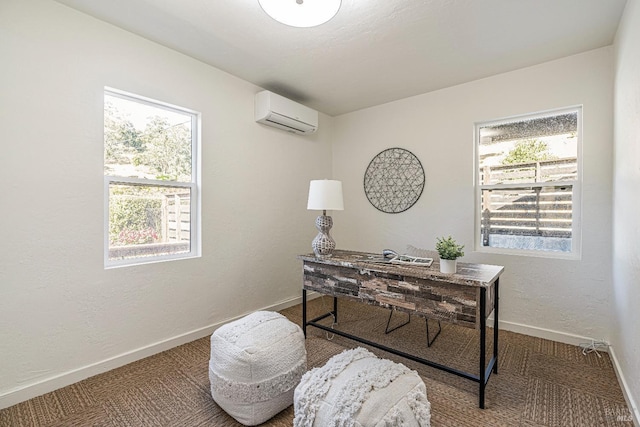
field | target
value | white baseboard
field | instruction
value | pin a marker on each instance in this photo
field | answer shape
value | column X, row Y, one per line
column 29, row 391
column 547, row 334
column 633, row 408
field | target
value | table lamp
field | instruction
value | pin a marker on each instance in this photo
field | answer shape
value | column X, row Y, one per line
column 324, row 195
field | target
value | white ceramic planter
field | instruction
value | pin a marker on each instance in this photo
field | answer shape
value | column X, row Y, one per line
column 448, row 266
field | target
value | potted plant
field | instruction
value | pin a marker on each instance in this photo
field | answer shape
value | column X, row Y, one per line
column 449, row 251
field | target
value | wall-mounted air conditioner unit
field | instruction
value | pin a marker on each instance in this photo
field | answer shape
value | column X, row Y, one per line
column 277, row 111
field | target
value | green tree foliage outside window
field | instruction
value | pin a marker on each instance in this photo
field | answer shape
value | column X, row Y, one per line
column 160, row 151
column 529, row 150
column 121, row 139
column 167, row 150
column 157, row 148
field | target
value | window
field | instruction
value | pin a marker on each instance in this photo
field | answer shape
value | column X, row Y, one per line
column 528, row 180
column 151, row 185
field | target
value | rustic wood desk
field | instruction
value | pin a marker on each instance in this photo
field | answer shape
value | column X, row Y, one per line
column 465, row 298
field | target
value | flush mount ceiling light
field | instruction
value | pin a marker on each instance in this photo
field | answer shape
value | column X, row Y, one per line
column 301, row 13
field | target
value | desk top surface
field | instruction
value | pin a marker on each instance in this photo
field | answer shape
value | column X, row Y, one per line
column 467, row 274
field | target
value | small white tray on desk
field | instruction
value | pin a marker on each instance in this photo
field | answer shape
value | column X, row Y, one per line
column 411, row 260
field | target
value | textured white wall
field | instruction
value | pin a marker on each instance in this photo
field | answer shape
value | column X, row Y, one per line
column 626, row 207
column 63, row 316
column 61, row 313
column 561, row 299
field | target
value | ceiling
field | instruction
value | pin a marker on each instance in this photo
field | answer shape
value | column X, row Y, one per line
column 372, row 51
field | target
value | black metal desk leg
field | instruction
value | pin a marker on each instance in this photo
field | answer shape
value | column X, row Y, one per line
column 335, row 309
column 495, row 327
column 304, row 312
column 483, row 344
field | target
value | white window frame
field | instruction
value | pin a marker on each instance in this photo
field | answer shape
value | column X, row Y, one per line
column 576, row 185
column 194, row 187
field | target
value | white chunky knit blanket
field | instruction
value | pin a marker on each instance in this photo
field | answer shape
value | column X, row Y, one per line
column 355, row 388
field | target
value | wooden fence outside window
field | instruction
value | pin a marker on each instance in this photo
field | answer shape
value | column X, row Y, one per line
column 528, row 199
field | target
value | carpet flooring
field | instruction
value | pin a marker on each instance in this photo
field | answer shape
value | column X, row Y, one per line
column 540, row 382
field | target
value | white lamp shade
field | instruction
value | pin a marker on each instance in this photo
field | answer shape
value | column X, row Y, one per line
column 296, row 13
column 325, row 194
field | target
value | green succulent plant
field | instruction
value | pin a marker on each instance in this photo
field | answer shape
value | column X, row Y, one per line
column 448, row 248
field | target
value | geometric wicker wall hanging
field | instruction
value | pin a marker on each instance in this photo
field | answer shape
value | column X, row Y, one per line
column 394, row 180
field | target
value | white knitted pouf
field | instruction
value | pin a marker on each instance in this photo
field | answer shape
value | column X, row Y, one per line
column 355, row 388
column 256, row 363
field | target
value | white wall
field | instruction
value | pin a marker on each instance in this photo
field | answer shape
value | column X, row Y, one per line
column 62, row 315
column 566, row 300
column 626, row 207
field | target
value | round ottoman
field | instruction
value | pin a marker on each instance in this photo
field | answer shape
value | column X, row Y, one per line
column 355, row 388
column 256, row 363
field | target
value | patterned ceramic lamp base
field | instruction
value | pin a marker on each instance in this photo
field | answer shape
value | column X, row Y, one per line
column 323, row 245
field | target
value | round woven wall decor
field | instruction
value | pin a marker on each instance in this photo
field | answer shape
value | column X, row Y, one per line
column 394, row 180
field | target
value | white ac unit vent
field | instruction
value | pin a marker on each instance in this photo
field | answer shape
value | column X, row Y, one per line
column 277, row 111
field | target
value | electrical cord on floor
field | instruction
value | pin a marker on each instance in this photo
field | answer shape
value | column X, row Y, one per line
column 593, row 347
